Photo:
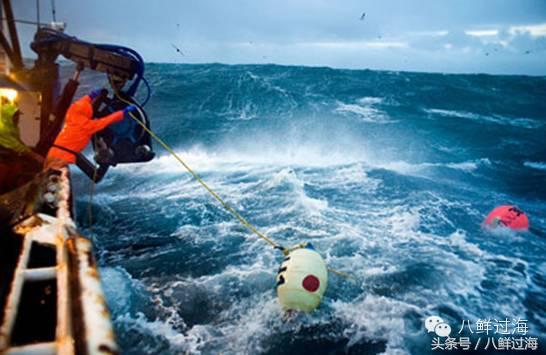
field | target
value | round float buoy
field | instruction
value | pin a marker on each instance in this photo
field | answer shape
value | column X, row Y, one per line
column 509, row 217
column 302, row 280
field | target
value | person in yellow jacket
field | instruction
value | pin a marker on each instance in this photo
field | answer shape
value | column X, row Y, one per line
column 10, row 136
column 13, row 152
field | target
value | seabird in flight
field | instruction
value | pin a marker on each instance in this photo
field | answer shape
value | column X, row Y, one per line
column 178, row 49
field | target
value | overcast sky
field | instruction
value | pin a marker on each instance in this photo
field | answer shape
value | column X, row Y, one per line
column 491, row 36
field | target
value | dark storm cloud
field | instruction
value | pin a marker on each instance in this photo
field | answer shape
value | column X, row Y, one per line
column 399, row 34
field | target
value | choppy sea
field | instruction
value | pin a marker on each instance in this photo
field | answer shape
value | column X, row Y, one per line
column 388, row 174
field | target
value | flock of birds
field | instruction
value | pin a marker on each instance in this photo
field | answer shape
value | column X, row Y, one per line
column 362, row 18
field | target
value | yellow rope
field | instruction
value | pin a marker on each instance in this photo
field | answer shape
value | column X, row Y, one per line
column 204, row 184
column 340, row 273
column 230, row 209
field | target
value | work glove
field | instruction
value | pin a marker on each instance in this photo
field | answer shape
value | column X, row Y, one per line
column 129, row 108
column 97, row 92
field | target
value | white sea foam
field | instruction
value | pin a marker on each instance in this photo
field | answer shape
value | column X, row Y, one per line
column 246, row 113
column 250, row 312
column 375, row 317
column 405, row 168
column 364, row 109
column 535, row 165
column 118, row 286
column 350, row 167
column 458, row 239
column 229, row 161
column 370, row 100
column 191, row 341
column 369, row 239
column 412, row 252
column 301, row 199
column 344, row 177
column 497, row 119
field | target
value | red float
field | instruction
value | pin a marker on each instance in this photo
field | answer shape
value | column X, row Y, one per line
column 509, row 217
column 311, row 283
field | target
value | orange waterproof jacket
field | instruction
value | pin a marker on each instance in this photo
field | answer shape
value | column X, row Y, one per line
column 78, row 129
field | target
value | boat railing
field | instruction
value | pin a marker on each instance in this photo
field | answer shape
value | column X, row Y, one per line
column 54, row 303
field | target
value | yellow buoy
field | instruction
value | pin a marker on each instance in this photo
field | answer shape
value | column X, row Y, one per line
column 302, row 280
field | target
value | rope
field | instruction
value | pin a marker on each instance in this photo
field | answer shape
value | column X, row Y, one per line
column 340, row 273
column 90, row 203
column 204, row 184
column 230, row 209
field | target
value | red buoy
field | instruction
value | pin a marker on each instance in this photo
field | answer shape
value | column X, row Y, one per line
column 509, row 217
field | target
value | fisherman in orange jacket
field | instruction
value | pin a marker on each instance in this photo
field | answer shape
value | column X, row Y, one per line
column 78, row 129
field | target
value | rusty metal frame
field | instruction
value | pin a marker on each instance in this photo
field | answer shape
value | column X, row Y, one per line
column 83, row 320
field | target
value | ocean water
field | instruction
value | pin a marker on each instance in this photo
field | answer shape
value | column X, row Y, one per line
column 388, row 174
